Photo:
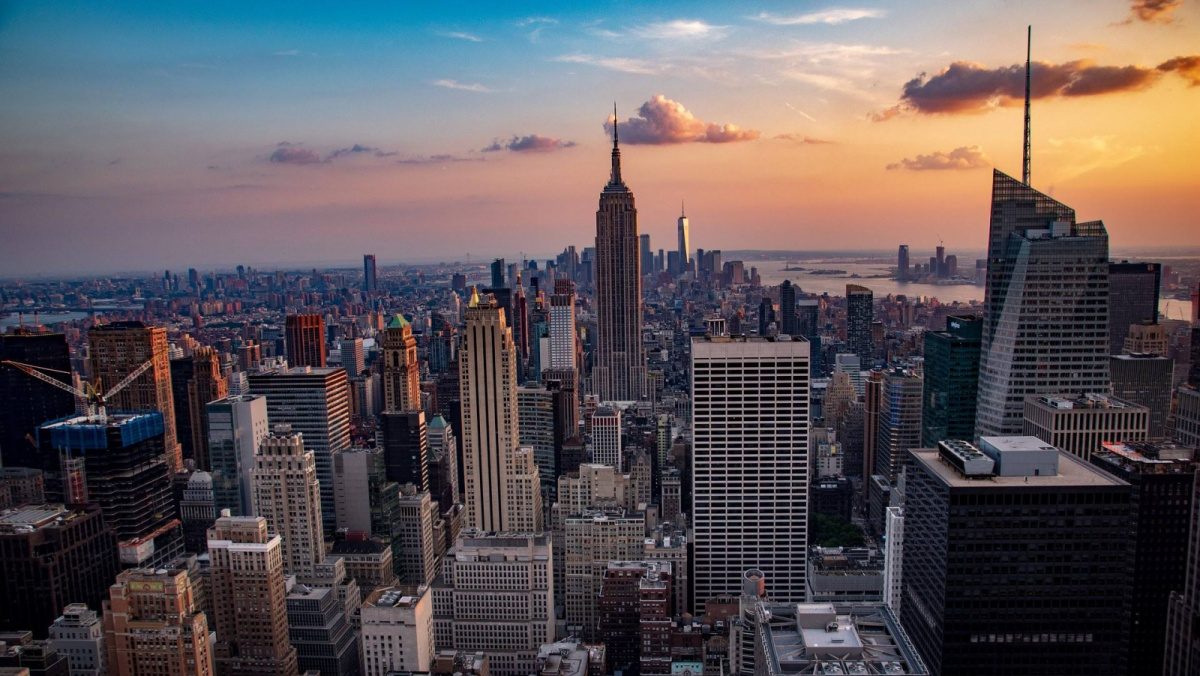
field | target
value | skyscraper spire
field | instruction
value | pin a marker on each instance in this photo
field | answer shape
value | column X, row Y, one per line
column 1025, row 154
column 615, row 177
column 682, row 210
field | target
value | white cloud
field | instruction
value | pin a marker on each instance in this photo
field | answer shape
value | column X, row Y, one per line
column 460, row 35
column 829, row 17
column 680, row 29
column 462, row 86
column 617, row 63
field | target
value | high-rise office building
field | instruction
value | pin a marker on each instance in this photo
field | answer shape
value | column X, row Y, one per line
column 320, row 631
column 401, row 372
column 1162, row 506
column 562, row 325
column 1080, row 425
column 1133, row 290
column 315, row 402
column 951, row 380
column 633, row 598
column 1146, row 339
column 902, row 263
column 1187, row 417
column 415, row 563
column 872, row 404
column 750, row 464
column 370, row 277
column 1145, row 379
column 305, row 340
column 206, row 384
column 236, row 427
column 646, row 253
column 125, row 472
column 287, row 495
column 535, row 429
column 685, row 242
column 405, row 440
column 860, row 312
column 249, row 599
column 501, row 483
column 606, row 437
column 498, row 269
column 1181, row 654
column 25, row 401
column 976, row 524
column 53, row 555
column 114, row 351
column 893, row 558
column 899, row 427
column 496, row 595
column 353, row 359
column 789, row 321
column 153, row 624
column 197, row 509
column 79, row 634
column 591, row 539
column 620, row 370
column 397, row 632
column 1045, row 322
column 443, row 463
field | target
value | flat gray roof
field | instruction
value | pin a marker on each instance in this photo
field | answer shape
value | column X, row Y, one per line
column 1071, row 472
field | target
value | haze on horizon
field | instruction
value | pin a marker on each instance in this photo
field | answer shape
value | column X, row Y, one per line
column 143, row 136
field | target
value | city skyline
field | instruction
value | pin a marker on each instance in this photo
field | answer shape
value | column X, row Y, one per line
column 399, row 132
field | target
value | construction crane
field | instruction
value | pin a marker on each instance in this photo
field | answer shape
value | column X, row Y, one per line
column 90, row 396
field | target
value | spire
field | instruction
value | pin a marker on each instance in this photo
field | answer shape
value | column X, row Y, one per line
column 1025, row 154
column 474, row 302
column 682, row 210
column 615, row 178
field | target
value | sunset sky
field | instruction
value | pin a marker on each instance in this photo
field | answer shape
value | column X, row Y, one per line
column 164, row 135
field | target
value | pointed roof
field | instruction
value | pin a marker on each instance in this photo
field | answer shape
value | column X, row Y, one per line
column 397, row 321
column 474, row 302
column 438, row 423
column 614, row 180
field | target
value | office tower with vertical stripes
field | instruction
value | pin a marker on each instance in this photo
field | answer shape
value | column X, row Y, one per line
column 750, row 464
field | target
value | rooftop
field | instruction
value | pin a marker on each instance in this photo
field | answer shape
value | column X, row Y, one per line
column 824, row 638
column 1072, row 472
column 31, row 517
column 1083, row 401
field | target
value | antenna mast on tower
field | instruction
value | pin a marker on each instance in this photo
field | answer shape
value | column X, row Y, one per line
column 1025, row 154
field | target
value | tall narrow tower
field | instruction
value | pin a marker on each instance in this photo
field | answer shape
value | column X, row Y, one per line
column 685, row 243
column 401, row 372
column 620, row 371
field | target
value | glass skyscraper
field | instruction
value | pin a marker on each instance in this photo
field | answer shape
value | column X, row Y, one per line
column 1045, row 324
column 951, row 380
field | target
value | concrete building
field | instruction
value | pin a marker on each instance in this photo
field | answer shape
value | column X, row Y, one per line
column 197, row 511
column 495, row 595
column 606, row 437
column 52, row 555
column 750, row 463
column 316, row 403
column 21, row 655
column 1146, row 338
column 893, row 558
column 899, row 421
column 417, row 564
column 594, row 537
column 397, row 632
column 845, row 575
column 79, row 635
column 975, row 523
column 249, row 599
column 236, row 427
column 117, row 349
column 20, row 486
column 633, row 601
column 1080, row 425
column 353, row 358
column 672, row 547
column 1187, row 416
column 287, row 495
column 501, row 487
column 1045, row 322
column 562, row 325
column 1132, row 298
column 368, row 562
column 826, row 638
column 152, row 624
column 535, row 429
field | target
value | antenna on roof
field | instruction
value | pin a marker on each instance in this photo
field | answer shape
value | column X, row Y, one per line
column 1025, row 154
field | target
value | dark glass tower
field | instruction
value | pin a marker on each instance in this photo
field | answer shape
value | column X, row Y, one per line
column 1016, row 561
column 406, row 447
column 25, row 401
column 1132, row 299
column 951, row 380
column 788, row 321
column 305, row 340
column 620, row 371
column 860, row 312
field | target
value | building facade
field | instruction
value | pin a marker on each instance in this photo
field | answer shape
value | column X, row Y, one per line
column 951, row 380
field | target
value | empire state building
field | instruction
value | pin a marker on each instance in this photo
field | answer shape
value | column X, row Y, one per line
column 620, row 371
